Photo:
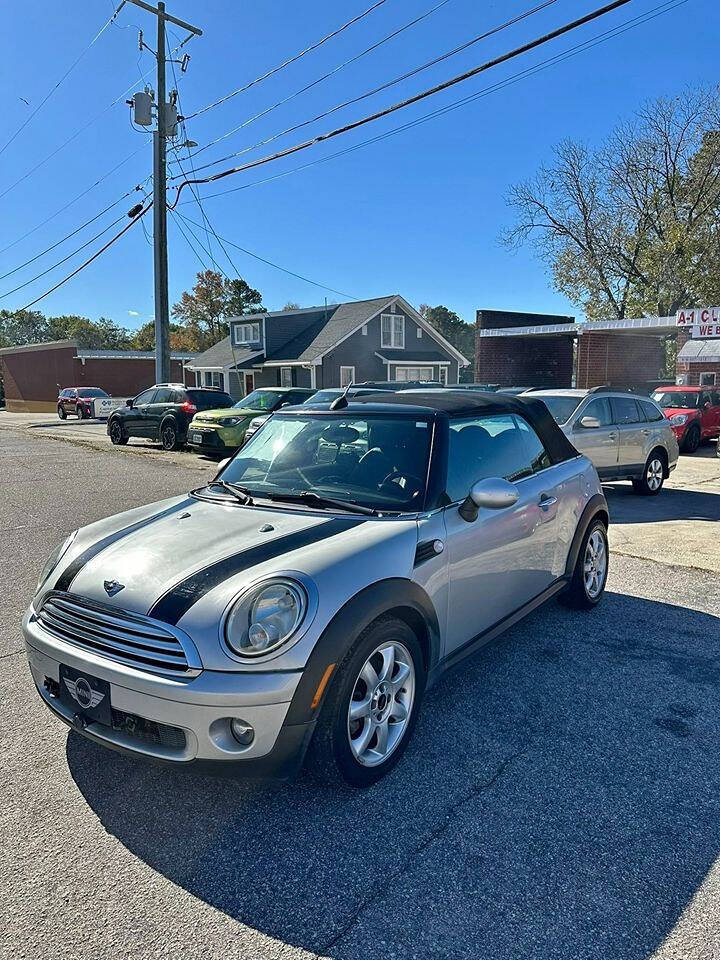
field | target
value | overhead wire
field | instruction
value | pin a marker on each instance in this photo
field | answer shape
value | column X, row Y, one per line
column 87, row 262
column 330, row 73
column 364, row 96
column 286, row 63
column 486, row 91
column 62, row 79
column 409, row 101
column 270, row 263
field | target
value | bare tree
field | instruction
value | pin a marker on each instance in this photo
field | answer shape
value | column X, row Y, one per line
column 632, row 227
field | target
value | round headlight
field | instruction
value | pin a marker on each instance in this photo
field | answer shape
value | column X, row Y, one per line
column 265, row 617
column 229, row 421
column 55, row 558
column 678, row 419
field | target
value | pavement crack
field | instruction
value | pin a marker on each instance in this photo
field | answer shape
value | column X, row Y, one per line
column 449, row 817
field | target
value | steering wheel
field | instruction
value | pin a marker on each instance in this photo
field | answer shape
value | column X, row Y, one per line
column 395, row 474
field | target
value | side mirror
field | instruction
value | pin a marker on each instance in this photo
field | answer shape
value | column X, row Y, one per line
column 707, row 405
column 493, row 493
column 128, row 403
column 588, row 423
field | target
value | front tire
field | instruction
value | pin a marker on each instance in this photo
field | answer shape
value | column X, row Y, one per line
column 653, row 476
column 370, row 712
column 589, row 577
column 81, row 413
column 117, row 434
column 691, row 440
column 61, row 413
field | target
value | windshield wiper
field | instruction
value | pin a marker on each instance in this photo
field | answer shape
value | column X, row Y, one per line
column 241, row 494
column 307, row 496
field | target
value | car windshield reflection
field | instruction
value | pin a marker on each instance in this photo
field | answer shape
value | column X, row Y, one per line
column 379, row 462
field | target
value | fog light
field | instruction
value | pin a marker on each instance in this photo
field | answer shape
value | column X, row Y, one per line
column 243, row 732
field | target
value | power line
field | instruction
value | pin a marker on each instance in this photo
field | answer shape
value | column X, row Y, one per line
column 286, row 63
column 330, row 73
column 62, row 79
column 74, row 200
column 87, row 262
column 64, row 259
column 370, row 93
column 416, row 98
column 514, row 78
column 270, row 263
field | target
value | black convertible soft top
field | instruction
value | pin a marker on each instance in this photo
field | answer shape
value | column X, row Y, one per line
column 466, row 403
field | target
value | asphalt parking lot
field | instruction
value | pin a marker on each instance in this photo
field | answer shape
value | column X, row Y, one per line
column 560, row 799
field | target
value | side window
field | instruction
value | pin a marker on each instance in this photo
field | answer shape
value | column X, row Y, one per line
column 145, row 397
column 626, row 410
column 600, row 409
column 715, row 398
column 163, row 395
column 491, row 446
column 651, row 412
column 293, row 398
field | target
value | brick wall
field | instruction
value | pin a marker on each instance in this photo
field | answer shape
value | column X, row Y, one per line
column 693, row 371
column 521, row 361
column 618, row 359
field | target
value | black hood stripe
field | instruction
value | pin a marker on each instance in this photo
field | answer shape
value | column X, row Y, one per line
column 74, row 568
column 177, row 601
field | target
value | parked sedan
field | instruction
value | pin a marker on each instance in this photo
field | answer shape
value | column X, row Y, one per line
column 298, row 606
column 78, row 400
column 163, row 413
column 626, row 436
column 693, row 412
column 223, row 431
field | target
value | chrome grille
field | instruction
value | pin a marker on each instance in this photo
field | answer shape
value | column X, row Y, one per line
column 128, row 638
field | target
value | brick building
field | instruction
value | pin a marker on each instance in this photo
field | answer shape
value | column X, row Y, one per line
column 34, row 374
column 518, row 349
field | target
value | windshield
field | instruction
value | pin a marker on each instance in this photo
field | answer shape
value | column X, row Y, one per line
column 561, row 408
column 676, row 398
column 324, row 396
column 260, row 400
column 373, row 461
column 91, row 392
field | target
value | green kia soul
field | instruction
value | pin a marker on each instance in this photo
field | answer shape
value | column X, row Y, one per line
column 223, row 431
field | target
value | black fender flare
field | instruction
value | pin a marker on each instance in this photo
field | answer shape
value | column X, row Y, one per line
column 595, row 507
column 397, row 593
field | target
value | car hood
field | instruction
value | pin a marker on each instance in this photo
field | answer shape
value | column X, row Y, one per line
column 208, row 415
column 688, row 411
column 187, row 554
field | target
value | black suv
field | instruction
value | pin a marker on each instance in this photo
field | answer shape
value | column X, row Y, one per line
column 163, row 413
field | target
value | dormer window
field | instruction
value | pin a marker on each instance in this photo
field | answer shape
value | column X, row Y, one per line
column 244, row 333
column 392, row 330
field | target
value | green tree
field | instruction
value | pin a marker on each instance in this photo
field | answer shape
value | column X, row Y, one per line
column 102, row 334
column 205, row 310
column 181, row 338
column 632, row 227
column 460, row 334
column 23, row 326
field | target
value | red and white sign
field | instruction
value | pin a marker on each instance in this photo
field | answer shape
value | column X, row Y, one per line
column 704, row 322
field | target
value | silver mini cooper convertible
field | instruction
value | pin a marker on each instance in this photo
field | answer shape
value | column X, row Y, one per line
column 297, row 607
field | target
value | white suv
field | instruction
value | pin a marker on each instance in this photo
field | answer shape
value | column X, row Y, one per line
column 626, row 436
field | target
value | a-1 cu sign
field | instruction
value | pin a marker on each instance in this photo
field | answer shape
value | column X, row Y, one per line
column 703, row 322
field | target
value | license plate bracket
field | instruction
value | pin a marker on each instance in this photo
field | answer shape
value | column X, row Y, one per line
column 85, row 694
column 196, row 437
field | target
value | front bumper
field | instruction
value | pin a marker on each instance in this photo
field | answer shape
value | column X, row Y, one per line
column 215, row 440
column 183, row 722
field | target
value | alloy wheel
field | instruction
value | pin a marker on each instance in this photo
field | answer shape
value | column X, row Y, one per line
column 381, row 703
column 654, row 475
column 595, row 564
column 168, row 437
column 115, row 432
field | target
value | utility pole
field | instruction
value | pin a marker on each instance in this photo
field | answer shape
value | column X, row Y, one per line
column 166, row 115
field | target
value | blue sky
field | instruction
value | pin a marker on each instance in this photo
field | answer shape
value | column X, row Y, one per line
column 418, row 213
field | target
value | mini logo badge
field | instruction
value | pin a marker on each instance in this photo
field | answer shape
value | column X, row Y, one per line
column 112, row 587
column 83, row 693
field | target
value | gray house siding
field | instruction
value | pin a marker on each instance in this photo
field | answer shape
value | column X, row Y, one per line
column 360, row 351
column 270, row 377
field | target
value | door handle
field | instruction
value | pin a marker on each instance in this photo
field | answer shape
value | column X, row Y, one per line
column 612, row 436
column 547, row 501
column 646, row 433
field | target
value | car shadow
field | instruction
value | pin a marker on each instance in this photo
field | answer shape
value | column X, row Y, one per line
column 672, row 503
column 559, row 800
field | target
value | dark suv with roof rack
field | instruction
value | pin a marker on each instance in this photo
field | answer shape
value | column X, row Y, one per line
column 163, row 413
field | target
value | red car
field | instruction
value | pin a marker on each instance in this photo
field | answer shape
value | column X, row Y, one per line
column 693, row 412
column 78, row 400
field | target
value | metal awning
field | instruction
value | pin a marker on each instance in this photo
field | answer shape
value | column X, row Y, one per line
column 657, row 326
